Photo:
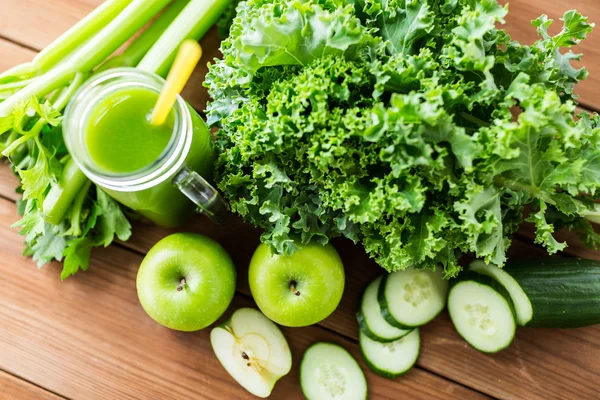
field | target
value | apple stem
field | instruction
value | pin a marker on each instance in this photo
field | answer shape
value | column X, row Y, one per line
column 293, row 288
column 181, row 285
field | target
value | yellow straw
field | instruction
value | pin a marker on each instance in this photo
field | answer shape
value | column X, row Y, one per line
column 187, row 58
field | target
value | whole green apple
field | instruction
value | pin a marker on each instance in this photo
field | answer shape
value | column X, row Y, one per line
column 186, row 282
column 300, row 289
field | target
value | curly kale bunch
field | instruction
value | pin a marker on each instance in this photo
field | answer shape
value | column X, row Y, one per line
column 417, row 128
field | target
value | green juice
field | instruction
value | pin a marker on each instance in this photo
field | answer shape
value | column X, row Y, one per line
column 120, row 137
column 120, row 140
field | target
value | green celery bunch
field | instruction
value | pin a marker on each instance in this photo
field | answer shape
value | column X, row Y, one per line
column 417, row 128
column 64, row 216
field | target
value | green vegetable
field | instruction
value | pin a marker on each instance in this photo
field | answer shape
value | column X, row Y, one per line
column 482, row 312
column 81, row 32
column 62, row 193
column 521, row 303
column 328, row 372
column 370, row 318
column 134, row 53
column 391, row 123
column 63, row 215
column 224, row 23
column 89, row 55
column 192, row 23
column 564, row 292
column 391, row 360
column 412, row 298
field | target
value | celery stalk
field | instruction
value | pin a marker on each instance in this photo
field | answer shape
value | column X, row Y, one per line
column 8, row 89
column 61, row 195
column 92, row 53
column 77, row 207
column 134, row 53
column 192, row 23
column 79, row 33
column 60, row 103
column 33, row 132
column 121, row 29
column 21, row 71
column 70, row 40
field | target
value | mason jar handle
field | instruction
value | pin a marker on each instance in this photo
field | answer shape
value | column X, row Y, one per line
column 202, row 193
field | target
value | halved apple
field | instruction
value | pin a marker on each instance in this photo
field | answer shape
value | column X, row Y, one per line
column 253, row 350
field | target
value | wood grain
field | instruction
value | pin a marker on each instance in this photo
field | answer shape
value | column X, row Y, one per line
column 575, row 247
column 13, row 54
column 12, row 388
column 8, row 182
column 47, row 19
column 528, row 369
column 533, row 367
column 36, row 23
column 88, row 337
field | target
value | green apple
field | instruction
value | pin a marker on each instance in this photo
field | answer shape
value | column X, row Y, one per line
column 186, row 282
column 253, row 350
column 300, row 289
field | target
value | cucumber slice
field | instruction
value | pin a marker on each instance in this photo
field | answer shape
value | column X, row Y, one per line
column 413, row 297
column 392, row 359
column 253, row 350
column 482, row 313
column 522, row 304
column 329, row 372
column 371, row 320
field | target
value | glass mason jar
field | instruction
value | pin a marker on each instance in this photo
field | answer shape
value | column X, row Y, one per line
column 167, row 190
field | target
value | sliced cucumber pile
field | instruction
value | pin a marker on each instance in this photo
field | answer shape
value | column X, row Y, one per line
column 370, row 319
column 329, row 372
column 521, row 302
column 482, row 312
column 391, row 309
column 391, row 359
column 486, row 304
column 413, row 297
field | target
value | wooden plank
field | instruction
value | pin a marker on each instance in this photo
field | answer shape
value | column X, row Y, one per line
column 13, row 54
column 575, row 247
column 534, row 367
column 89, row 338
column 36, row 23
column 8, row 182
column 47, row 19
column 13, row 388
column 539, row 365
column 470, row 368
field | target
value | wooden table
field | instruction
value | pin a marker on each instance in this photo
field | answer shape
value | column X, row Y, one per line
column 88, row 338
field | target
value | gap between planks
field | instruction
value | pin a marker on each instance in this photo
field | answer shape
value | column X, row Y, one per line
column 196, row 104
column 13, row 387
column 25, row 46
column 132, row 331
column 444, row 353
column 247, row 297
